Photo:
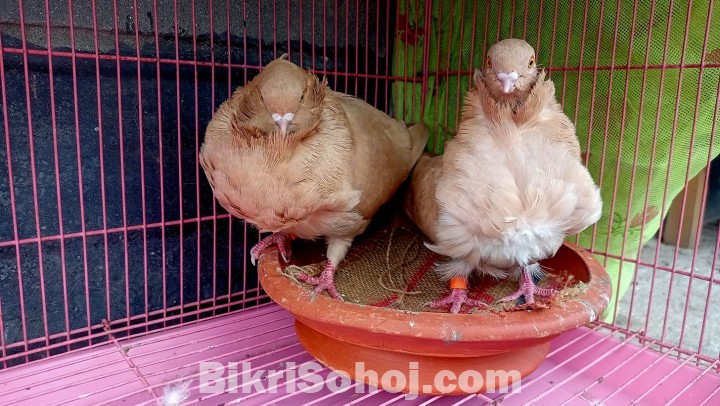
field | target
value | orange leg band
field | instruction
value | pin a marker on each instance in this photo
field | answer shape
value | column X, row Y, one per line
column 458, row 283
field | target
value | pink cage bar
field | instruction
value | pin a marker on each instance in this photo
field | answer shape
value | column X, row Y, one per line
column 119, row 272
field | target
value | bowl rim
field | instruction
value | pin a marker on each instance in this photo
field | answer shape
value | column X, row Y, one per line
column 506, row 326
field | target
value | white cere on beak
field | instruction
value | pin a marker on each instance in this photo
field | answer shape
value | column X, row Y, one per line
column 508, row 80
column 283, row 121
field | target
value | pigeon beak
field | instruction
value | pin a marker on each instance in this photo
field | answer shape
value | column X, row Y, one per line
column 508, row 80
column 508, row 84
column 283, row 121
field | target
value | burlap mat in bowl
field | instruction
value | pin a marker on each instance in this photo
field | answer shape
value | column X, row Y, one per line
column 389, row 266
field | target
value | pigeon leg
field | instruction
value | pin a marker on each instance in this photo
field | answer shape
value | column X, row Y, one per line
column 528, row 289
column 326, row 281
column 456, row 298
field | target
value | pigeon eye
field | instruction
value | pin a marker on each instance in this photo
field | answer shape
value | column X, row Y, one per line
column 488, row 63
column 531, row 62
column 303, row 96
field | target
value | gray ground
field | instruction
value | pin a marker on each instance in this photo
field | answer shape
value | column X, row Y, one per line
column 684, row 291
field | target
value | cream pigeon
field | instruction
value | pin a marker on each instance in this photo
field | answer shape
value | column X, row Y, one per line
column 292, row 157
column 510, row 186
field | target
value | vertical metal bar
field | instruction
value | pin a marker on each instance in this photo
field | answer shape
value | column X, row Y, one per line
column 672, row 150
column 142, row 162
column 367, row 49
column 58, row 194
column 486, row 32
column 259, row 10
column 539, row 29
column 436, row 76
column 687, row 171
column 312, row 41
column 591, row 114
column 324, row 30
column 408, row 60
column 181, row 198
column 577, row 91
column 458, row 94
column 552, row 42
column 101, row 153
column 512, row 19
column 245, row 224
column 525, row 19
column 3, row 350
column 13, row 202
column 389, row 44
column 289, row 33
column 274, row 30
column 357, row 48
column 336, row 12
column 714, row 265
column 78, row 153
column 579, row 86
column 635, row 157
column 347, row 43
column 377, row 57
column 161, row 153
column 230, row 219
column 471, row 61
column 300, row 12
column 214, row 201
column 498, row 26
column 623, row 117
column 122, row 162
column 447, row 63
column 604, row 149
column 567, row 53
column 230, row 92
column 31, row 139
column 652, row 159
column 198, row 252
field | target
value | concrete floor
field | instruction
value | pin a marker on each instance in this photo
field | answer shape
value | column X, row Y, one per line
column 667, row 317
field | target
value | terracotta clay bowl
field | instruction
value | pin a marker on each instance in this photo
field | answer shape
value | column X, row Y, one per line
column 339, row 334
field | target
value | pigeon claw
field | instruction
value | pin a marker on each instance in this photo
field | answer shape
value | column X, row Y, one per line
column 528, row 289
column 278, row 239
column 324, row 282
column 456, row 298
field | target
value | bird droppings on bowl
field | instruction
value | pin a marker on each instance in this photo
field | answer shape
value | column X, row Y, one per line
column 451, row 335
column 390, row 267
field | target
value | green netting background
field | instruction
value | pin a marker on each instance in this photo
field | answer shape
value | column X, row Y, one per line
column 460, row 33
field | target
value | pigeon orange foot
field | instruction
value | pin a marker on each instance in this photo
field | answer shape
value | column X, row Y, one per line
column 324, row 282
column 528, row 289
column 456, row 298
column 279, row 239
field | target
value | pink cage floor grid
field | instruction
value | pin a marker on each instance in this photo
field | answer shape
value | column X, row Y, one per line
column 585, row 367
